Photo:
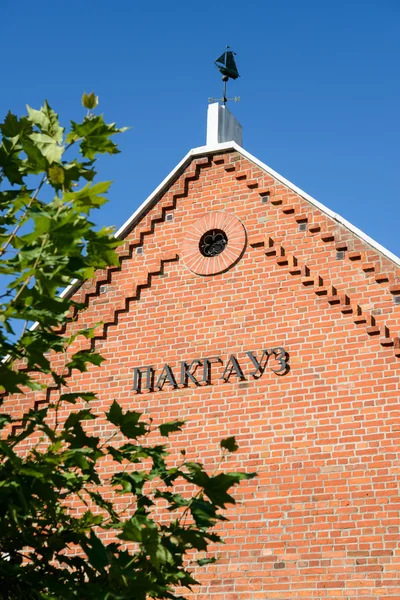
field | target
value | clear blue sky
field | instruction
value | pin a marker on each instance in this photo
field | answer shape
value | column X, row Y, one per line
column 319, row 87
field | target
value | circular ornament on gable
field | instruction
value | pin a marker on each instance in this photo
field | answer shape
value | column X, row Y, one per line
column 214, row 243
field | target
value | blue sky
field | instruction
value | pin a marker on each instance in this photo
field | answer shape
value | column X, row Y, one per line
column 319, row 87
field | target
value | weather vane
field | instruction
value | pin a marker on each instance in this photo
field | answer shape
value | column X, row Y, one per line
column 227, row 66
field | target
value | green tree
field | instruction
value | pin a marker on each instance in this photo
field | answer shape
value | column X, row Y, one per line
column 48, row 551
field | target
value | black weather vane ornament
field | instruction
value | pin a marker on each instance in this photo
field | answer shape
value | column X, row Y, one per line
column 227, row 66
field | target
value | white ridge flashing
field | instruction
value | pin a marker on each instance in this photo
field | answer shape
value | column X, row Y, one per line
column 215, row 149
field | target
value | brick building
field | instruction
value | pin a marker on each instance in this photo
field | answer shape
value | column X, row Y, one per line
column 247, row 308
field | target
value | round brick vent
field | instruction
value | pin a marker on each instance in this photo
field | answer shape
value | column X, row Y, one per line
column 214, row 243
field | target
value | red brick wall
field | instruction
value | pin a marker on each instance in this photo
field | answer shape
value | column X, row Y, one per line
column 321, row 520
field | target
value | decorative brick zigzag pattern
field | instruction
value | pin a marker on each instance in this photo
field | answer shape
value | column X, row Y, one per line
column 141, row 233
column 323, row 289
column 369, row 268
column 141, row 285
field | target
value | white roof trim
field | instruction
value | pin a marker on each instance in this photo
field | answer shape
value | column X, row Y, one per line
column 322, row 207
column 202, row 150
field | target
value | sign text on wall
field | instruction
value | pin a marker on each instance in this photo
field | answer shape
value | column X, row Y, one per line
column 200, row 371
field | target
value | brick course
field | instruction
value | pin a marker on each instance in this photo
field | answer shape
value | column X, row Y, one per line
column 321, row 520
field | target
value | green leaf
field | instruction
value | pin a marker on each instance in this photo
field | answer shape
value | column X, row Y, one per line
column 132, row 483
column 204, row 513
column 8, row 198
column 96, row 552
column 75, row 417
column 131, row 531
column 127, row 422
column 114, row 415
column 101, row 248
column 89, row 197
column 79, row 441
column 36, row 161
column 103, row 503
column 13, row 126
column 95, row 134
column 72, row 397
column 82, row 358
column 38, row 118
column 197, row 539
column 54, row 129
column 167, row 428
column 4, row 420
column 56, row 175
column 74, row 170
column 10, row 163
column 174, row 500
column 90, row 101
column 217, row 487
column 229, row 444
column 48, row 146
column 47, row 121
column 10, row 126
column 11, row 380
column 206, row 561
column 161, row 556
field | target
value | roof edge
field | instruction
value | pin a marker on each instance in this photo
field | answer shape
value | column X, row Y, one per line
column 224, row 147
column 321, row 206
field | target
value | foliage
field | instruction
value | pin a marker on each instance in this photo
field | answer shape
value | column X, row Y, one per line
column 49, row 465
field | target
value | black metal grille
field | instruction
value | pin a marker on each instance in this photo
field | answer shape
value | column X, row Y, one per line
column 213, row 242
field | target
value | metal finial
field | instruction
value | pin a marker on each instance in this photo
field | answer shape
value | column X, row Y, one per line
column 227, row 66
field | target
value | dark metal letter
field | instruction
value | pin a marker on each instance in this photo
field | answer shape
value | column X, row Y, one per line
column 232, row 365
column 185, row 372
column 281, row 358
column 207, row 362
column 166, row 375
column 138, row 372
column 260, row 367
